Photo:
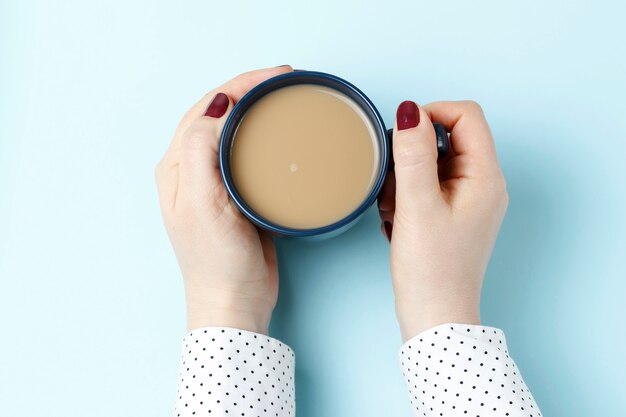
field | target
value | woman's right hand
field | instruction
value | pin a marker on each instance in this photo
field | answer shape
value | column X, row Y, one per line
column 444, row 215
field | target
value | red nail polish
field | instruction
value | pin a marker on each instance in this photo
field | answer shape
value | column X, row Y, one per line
column 218, row 106
column 388, row 228
column 408, row 115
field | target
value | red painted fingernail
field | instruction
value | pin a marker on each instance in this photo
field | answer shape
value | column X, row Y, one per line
column 408, row 115
column 388, row 228
column 218, row 106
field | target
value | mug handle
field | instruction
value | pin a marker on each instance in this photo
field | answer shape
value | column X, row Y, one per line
column 443, row 142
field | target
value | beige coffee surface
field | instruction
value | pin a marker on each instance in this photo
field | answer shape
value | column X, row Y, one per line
column 304, row 156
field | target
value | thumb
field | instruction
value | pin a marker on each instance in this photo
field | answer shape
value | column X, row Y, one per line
column 199, row 166
column 415, row 159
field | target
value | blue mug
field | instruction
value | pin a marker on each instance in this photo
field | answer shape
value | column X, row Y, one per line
column 383, row 135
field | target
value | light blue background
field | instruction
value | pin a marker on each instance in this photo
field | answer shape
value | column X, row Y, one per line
column 91, row 301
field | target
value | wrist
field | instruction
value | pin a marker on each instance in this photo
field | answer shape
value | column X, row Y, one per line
column 224, row 309
column 210, row 317
column 415, row 317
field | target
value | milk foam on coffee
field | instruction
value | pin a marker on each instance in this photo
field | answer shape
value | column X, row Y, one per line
column 304, row 156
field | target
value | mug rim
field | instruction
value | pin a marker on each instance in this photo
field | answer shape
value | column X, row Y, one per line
column 273, row 84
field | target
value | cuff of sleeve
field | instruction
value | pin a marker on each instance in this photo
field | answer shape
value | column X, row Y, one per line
column 228, row 371
column 232, row 337
column 482, row 334
column 459, row 369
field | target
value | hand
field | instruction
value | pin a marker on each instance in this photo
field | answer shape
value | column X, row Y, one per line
column 229, row 267
column 442, row 218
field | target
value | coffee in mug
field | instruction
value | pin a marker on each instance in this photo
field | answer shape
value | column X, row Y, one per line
column 304, row 156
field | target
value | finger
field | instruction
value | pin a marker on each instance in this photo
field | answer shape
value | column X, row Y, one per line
column 415, row 159
column 387, row 198
column 443, row 162
column 386, row 221
column 455, row 168
column 386, row 228
column 235, row 89
column 470, row 135
column 199, row 168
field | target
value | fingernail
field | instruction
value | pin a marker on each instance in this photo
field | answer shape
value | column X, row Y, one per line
column 218, row 106
column 388, row 228
column 284, row 65
column 408, row 115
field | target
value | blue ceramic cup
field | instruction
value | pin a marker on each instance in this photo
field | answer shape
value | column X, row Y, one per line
column 383, row 136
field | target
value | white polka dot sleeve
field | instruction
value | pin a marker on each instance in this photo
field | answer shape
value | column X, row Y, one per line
column 232, row 372
column 464, row 370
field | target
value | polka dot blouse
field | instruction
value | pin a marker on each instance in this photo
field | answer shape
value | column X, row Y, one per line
column 450, row 370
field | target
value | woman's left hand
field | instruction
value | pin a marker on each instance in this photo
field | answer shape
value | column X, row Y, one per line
column 229, row 267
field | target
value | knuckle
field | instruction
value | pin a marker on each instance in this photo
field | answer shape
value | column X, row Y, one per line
column 501, row 188
column 504, row 193
column 499, row 183
column 197, row 134
column 498, row 191
column 409, row 158
column 189, row 115
column 194, row 140
column 408, row 153
column 159, row 171
column 473, row 106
